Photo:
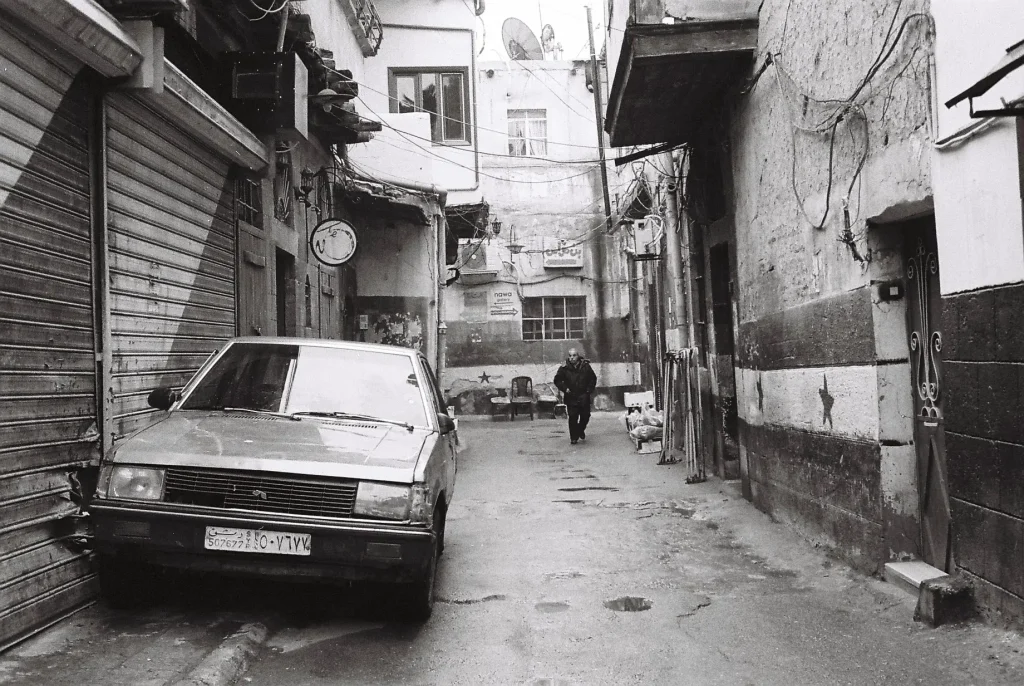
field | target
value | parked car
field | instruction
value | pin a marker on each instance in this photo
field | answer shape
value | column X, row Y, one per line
column 300, row 458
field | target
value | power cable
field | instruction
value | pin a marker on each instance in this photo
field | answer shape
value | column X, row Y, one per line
column 454, row 119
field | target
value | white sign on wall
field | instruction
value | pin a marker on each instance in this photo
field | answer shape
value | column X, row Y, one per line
column 503, row 303
column 562, row 254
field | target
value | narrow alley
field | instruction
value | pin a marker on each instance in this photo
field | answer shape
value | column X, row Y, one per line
column 567, row 565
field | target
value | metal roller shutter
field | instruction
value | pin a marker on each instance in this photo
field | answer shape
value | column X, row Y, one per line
column 47, row 359
column 171, row 237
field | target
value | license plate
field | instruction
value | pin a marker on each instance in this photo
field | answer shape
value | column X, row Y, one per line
column 254, row 541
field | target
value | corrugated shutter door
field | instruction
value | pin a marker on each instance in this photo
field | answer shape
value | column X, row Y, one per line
column 47, row 359
column 172, row 256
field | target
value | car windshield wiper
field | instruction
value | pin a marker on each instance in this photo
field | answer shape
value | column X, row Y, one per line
column 283, row 415
column 348, row 415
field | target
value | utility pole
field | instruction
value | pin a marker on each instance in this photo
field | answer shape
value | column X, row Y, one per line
column 597, row 115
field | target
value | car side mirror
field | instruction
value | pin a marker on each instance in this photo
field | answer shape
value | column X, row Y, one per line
column 163, row 398
column 445, row 423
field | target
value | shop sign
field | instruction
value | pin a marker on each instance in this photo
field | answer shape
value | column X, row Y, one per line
column 333, row 242
column 563, row 255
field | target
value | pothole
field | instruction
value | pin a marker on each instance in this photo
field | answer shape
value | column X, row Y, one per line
column 589, row 488
column 471, row 601
column 629, row 603
column 564, row 575
column 550, row 607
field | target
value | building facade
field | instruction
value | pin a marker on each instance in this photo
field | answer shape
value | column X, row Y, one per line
column 851, row 264
column 543, row 275
column 164, row 165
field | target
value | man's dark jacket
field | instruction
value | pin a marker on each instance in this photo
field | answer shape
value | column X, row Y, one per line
column 576, row 382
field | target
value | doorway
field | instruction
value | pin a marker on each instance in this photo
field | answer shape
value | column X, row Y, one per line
column 285, row 283
column 725, row 368
column 924, row 317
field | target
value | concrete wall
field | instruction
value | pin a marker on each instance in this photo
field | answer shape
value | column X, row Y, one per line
column 979, row 227
column 816, row 383
column 539, row 200
column 431, row 33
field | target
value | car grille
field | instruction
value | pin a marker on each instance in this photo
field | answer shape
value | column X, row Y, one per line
column 237, row 490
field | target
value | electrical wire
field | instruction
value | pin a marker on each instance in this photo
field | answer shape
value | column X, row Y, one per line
column 268, row 12
column 454, row 119
column 409, row 138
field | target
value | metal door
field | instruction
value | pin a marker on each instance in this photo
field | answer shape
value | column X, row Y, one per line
column 171, row 228
column 47, row 331
column 925, row 339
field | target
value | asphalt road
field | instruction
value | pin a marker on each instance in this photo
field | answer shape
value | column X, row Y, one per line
column 554, row 550
column 565, row 565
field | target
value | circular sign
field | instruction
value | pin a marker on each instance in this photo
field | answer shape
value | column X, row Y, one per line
column 333, row 242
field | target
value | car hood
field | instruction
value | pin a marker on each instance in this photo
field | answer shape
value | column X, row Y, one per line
column 318, row 447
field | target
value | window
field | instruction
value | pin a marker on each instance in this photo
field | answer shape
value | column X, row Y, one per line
column 250, row 201
column 527, row 133
column 554, row 319
column 442, row 93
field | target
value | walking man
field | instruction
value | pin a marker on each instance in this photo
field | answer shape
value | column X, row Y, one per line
column 576, row 380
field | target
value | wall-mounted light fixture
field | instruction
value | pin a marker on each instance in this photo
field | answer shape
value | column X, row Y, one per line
column 514, row 246
column 496, row 226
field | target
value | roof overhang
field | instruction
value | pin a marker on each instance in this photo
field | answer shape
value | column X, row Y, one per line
column 469, row 220
column 1013, row 59
column 672, row 77
column 387, row 201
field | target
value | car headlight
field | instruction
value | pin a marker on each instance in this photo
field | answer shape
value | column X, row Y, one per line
column 385, row 501
column 132, row 483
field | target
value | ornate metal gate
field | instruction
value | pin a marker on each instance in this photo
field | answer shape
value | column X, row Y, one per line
column 924, row 311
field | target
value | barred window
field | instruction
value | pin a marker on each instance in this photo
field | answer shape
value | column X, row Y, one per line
column 249, row 201
column 554, row 319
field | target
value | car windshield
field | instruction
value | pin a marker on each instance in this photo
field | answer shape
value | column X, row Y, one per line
column 312, row 379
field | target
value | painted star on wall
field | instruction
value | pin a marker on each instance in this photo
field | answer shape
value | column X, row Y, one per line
column 484, row 378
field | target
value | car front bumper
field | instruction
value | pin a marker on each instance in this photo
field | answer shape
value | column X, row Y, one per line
column 340, row 550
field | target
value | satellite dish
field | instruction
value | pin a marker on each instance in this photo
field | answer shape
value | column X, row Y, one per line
column 547, row 37
column 519, row 40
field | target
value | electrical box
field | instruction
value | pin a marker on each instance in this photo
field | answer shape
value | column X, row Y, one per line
column 891, row 290
column 269, row 93
column 364, row 322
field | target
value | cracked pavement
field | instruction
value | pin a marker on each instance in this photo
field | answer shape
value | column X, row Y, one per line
column 565, row 565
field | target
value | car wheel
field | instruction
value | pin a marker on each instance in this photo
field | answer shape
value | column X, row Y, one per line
column 440, row 532
column 123, row 584
column 420, row 604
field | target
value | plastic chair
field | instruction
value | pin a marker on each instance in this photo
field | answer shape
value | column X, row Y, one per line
column 501, row 405
column 522, row 395
column 549, row 399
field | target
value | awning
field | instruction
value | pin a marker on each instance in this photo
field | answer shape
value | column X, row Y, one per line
column 387, row 201
column 1013, row 59
column 672, row 78
column 469, row 220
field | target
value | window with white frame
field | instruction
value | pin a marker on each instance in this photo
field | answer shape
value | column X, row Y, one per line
column 556, row 318
column 527, row 133
column 442, row 93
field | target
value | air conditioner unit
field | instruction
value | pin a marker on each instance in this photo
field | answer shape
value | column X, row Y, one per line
column 269, row 93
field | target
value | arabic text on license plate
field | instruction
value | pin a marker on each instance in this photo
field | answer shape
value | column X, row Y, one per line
column 253, row 541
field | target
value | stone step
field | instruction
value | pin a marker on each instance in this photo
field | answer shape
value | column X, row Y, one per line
column 910, row 575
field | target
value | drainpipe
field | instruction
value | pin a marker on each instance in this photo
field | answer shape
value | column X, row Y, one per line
column 680, row 172
column 442, row 326
column 676, row 328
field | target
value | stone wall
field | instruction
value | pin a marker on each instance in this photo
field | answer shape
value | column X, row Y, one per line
column 822, row 383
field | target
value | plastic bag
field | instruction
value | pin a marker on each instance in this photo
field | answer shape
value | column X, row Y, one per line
column 651, row 417
column 646, row 432
column 631, row 418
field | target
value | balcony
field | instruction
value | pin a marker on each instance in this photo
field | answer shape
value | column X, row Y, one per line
column 365, row 23
column 678, row 61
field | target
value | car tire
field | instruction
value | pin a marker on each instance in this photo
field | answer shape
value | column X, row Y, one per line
column 123, row 584
column 420, row 594
column 441, row 530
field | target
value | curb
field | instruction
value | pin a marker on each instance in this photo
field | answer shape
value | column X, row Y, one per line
column 229, row 660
